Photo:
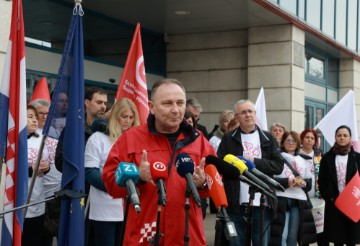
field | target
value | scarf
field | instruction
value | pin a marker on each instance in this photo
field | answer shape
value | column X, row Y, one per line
column 219, row 132
column 341, row 150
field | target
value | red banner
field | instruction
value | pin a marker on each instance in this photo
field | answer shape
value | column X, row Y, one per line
column 348, row 201
column 133, row 80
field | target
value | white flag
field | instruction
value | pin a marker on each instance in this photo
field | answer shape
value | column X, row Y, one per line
column 260, row 108
column 343, row 113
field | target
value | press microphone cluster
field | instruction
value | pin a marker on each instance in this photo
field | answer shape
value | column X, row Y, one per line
column 127, row 175
column 234, row 168
column 185, row 168
column 159, row 174
column 269, row 181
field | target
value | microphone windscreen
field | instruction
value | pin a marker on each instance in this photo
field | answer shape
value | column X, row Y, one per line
column 215, row 186
column 247, row 162
column 229, row 171
column 158, row 171
column 125, row 171
column 236, row 162
column 184, row 164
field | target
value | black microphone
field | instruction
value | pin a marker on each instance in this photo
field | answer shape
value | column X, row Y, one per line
column 233, row 173
column 126, row 175
column 185, row 168
column 251, row 167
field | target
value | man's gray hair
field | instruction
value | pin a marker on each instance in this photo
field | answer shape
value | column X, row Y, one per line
column 40, row 103
column 241, row 102
column 193, row 102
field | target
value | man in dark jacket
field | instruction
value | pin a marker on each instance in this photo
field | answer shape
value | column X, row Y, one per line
column 259, row 147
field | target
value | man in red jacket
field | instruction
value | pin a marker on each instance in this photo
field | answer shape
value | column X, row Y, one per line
column 165, row 135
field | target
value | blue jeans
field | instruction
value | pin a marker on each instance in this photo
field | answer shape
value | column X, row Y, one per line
column 292, row 221
column 239, row 220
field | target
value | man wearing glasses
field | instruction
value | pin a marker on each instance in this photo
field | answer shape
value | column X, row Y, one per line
column 260, row 147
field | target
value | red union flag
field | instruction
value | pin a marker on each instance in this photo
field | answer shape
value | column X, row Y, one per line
column 133, row 80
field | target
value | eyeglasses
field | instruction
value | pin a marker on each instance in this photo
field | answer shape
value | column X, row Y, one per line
column 43, row 113
column 244, row 112
column 290, row 141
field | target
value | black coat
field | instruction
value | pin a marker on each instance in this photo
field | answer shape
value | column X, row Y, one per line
column 270, row 163
column 338, row 228
column 307, row 229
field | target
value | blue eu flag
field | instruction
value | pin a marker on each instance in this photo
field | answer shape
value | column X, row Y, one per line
column 70, row 82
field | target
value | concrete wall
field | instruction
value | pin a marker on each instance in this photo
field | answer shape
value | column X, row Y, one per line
column 276, row 62
column 213, row 68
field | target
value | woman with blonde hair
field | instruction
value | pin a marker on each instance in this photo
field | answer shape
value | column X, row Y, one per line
column 224, row 118
column 106, row 213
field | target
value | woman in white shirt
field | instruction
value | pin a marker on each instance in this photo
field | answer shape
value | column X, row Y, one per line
column 106, row 213
column 294, row 211
column 224, row 118
column 34, row 219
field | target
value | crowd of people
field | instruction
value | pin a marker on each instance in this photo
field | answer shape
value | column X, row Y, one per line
column 173, row 138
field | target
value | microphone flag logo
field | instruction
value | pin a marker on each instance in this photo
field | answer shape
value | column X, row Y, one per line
column 159, row 166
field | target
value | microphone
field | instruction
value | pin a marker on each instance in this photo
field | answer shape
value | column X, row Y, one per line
column 233, row 173
column 185, row 168
column 215, row 186
column 239, row 164
column 269, row 181
column 159, row 174
column 229, row 171
column 217, row 193
column 126, row 175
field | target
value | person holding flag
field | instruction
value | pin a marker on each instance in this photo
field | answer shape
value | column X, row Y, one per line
column 34, row 220
column 337, row 167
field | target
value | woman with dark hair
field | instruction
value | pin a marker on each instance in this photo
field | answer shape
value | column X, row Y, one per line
column 294, row 222
column 34, row 219
column 337, row 167
column 309, row 146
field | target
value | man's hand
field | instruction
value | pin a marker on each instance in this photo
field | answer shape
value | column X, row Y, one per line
column 144, row 168
column 199, row 176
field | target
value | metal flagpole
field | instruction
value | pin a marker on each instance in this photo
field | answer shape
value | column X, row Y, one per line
column 35, row 170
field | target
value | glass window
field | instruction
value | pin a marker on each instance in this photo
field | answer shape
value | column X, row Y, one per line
column 340, row 21
column 309, row 112
column 352, row 18
column 328, row 18
column 313, row 13
column 289, row 5
column 302, row 9
column 333, row 72
column 315, row 67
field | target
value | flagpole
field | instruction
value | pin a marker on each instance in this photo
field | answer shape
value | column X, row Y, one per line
column 34, row 174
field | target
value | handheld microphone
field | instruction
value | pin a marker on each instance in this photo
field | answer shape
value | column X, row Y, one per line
column 215, row 186
column 185, row 168
column 269, row 181
column 233, row 173
column 126, row 175
column 159, row 174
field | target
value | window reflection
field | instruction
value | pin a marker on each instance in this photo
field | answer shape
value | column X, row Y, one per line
column 289, row 5
column 352, row 12
column 315, row 66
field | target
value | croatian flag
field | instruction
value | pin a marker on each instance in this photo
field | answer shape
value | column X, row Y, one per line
column 133, row 79
column 343, row 113
column 260, row 107
column 13, row 133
